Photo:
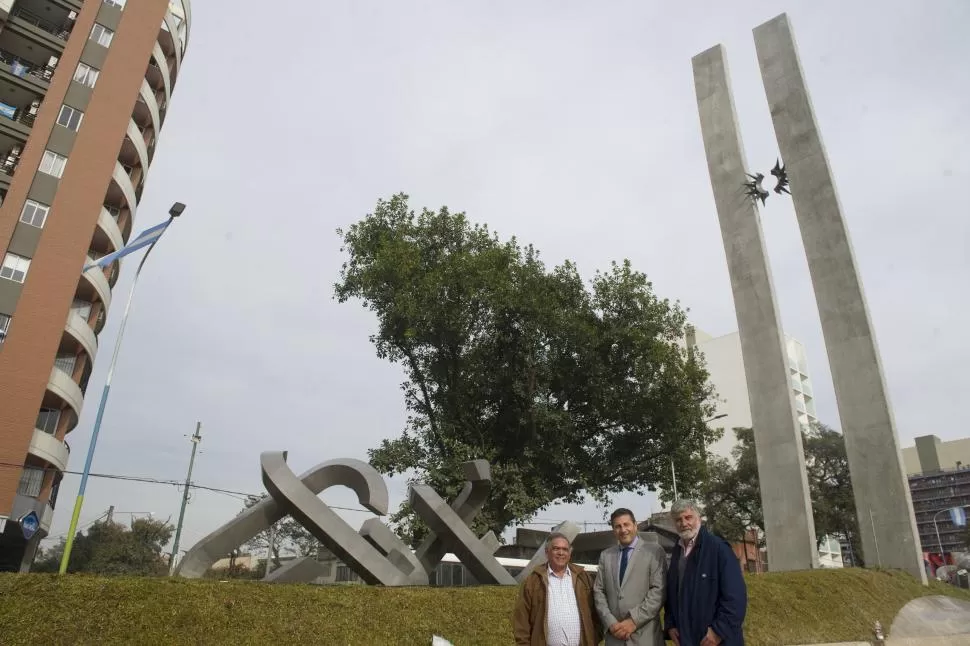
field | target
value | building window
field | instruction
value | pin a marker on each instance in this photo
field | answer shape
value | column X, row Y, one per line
column 31, row 480
column 53, row 164
column 115, row 3
column 86, row 75
column 4, row 326
column 101, row 34
column 47, row 420
column 70, row 118
column 34, row 214
column 66, row 363
column 14, row 267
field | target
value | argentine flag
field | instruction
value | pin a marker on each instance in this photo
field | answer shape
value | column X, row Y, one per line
column 145, row 238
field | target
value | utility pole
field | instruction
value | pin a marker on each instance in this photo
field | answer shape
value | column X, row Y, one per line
column 111, row 513
column 196, row 438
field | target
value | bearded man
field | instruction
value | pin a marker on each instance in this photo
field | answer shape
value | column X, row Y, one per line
column 706, row 594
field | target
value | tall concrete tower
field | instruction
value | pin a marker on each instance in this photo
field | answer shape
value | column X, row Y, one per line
column 886, row 521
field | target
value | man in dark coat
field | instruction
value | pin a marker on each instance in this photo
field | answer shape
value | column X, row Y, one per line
column 706, row 594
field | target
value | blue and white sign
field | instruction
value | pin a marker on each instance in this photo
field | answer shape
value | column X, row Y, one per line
column 958, row 516
column 29, row 523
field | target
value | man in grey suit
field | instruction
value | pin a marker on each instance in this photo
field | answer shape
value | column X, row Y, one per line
column 630, row 586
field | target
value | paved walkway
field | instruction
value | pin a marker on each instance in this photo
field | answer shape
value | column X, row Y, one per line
column 935, row 616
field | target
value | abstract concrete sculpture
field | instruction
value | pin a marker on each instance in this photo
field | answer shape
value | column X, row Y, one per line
column 886, row 521
column 374, row 552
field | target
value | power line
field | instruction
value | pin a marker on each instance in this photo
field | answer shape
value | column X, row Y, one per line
column 171, row 482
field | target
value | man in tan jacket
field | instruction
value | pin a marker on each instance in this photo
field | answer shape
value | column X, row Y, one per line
column 555, row 605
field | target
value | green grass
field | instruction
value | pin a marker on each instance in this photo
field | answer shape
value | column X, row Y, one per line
column 791, row 608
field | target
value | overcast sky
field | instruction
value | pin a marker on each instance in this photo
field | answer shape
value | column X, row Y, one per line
column 572, row 125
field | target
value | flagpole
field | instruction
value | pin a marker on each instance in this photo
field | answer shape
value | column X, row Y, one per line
column 174, row 212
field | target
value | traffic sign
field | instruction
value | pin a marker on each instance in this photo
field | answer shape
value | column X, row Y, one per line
column 29, row 524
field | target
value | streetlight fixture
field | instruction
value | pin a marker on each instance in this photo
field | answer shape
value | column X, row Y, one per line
column 148, row 238
column 673, row 471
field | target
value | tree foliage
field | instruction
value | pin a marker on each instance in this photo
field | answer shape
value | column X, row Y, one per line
column 289, row 538
column 113, row 548
column 569, row 389
column 732, row 494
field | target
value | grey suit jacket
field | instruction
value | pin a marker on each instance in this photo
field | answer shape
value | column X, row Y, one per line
column 640, row 597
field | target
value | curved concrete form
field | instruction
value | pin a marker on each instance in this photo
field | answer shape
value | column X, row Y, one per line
column 176, row 42
column 393, row 548
column 81, row 332
column 374, row 552
column 121, row 178
column 359, row 476
column 61, row 384
column 162, row 64
column 478, row 477
column 149, row 97
column 138, row 141
column 107, row 224
column 473, row 554
column 99, row 283
column 324, row 523
column 49, row 449
column 935, row 616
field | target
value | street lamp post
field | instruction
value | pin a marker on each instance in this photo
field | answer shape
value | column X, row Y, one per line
column 673, row 471
column 939, row 541
column 173, row 213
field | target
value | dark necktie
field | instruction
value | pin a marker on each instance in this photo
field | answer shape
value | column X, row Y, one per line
column 624, row 559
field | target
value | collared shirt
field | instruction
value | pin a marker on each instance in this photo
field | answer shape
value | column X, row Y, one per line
column 563, row 627
column 688, row 546
column 629, row 557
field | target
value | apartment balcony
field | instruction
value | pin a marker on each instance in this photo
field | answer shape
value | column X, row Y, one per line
column 122, row 189
column 170, row 43
column 93, row 285
column 107, row 236
column 9, row 160
column 16, row 69
column 146, row 112
column 157, row 74
column 79, row 335
column 69, row 394
column 17, row 119
column 49, row 449
column 133, row 148
column 55, row 27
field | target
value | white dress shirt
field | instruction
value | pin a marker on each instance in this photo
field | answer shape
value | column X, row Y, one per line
column 563, row 627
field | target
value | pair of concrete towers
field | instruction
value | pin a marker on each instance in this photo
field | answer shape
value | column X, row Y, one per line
column 886, row 521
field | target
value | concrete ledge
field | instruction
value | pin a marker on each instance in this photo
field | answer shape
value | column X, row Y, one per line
column 950, row 640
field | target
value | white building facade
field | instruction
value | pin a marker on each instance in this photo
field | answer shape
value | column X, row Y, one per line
column 725, row 365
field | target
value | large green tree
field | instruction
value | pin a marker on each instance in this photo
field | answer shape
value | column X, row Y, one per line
column 569, row 389
column 113, row 548
column 732, row 494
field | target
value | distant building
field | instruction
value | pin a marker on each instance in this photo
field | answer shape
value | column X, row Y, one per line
column 726, row 367
column 939, row 480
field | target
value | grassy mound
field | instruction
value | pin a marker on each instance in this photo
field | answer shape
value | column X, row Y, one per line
column 790, row 608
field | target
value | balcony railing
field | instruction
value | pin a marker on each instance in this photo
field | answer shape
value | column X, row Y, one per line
column 60, row 31
column 24, row 68
column 9, row 162
column 26, row 116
